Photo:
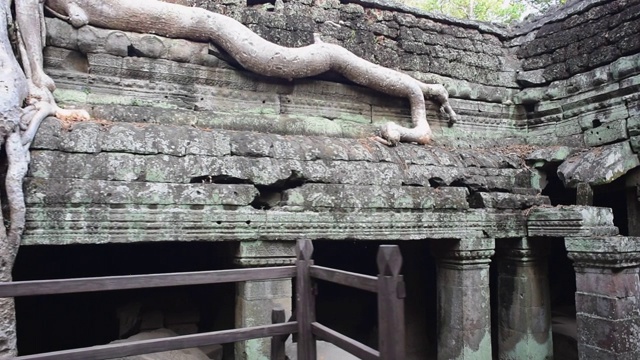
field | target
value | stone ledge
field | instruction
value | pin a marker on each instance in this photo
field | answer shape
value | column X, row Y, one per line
column 604, row 252
column 59, row 225
column 564, row 221
column 349, row 197
column 78, row 192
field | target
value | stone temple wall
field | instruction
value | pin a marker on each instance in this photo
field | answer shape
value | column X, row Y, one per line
column 580, row 70
column 105, row 68
column 582, row 36
column 187, row 146
column 174, row 118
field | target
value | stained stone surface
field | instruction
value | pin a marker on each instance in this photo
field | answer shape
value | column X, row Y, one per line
column 608, row 318
column 576, row 221
column 186, row 145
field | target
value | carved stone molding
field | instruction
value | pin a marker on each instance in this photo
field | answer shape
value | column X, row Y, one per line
column 262, row 262
column 563, row 221
column 604, row 252
column 464, row 252
column 265, row 253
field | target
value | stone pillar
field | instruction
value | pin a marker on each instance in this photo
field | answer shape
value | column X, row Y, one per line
column 524, row 312
column 256, row 299
column 607, row 296
column 464, row 311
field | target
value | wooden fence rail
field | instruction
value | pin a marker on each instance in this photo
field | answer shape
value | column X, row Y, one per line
column 388, row 285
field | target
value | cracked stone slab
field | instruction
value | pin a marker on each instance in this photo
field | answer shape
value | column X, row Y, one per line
column 161, row 168
column 80, row 191
column 598, row 166
column 507, row 201
column 352, row 197
column 550, row 154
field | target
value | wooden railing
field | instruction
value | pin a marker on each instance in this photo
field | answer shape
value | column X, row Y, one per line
column 388, row 285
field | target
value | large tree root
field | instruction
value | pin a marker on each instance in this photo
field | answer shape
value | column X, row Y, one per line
column 259, row 55
column 18, row 127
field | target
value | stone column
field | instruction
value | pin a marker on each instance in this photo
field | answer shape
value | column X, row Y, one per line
column 464, row 312
column 524, row 312
column 256, row 299
column 607, row 296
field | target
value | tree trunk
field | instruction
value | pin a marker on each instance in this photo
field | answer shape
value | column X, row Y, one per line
column 13, row 91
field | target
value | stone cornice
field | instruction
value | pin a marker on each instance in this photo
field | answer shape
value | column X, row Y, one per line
column 563, row 221
column 105, row 224
column 604, row 252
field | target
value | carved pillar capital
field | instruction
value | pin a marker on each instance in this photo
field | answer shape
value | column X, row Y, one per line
column 610, row 252
column 523, row 250
column 463, row 252
column 265, row 253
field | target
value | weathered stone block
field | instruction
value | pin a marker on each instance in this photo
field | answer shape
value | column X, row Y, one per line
column 52, row 191
column 592, row 352
column 506, row 200
column 350, row 198
column 618, row 336
column 598, row 166
column 605, row 282
column 606, row 133
column 571, row 221
column 608, row 306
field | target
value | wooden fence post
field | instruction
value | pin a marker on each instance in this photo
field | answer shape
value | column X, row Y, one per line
column 278, row 342
column 391, row 294
column 305, row 301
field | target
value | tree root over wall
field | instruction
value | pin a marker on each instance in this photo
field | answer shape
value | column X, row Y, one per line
column 259, row 55
column 26, row 92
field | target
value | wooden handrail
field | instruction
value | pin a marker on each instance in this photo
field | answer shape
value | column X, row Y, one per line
column 66, row 286
column 344, row 342
column 389, row 286
column 166, row 344
column 346, row 278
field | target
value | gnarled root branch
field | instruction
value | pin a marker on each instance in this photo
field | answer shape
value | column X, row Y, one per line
column 261, row 56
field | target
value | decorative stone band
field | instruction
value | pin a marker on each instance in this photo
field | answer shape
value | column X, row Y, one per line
column 604, row 252
column 563, row 221
column 265, row 253
column 261, row 262
column 106, row 224
column 523, row 249
column 464, row 252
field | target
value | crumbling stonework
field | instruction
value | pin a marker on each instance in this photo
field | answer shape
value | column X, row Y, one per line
column 188, row 146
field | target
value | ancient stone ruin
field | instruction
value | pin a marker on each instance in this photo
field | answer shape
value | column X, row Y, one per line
column 519, row 222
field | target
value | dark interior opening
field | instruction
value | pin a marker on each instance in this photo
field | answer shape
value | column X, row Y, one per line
column 58, row 322
column 555, row 190
column 562, row 290
column 614, row 196
column 260, row 2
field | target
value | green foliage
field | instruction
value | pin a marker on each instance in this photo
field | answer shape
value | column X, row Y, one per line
column 485, row 10
column 544, row 5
